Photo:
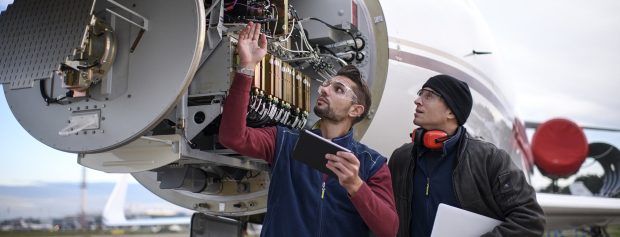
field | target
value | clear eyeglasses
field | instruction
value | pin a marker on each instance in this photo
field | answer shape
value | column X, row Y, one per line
column 340, row 89
column 428, row 96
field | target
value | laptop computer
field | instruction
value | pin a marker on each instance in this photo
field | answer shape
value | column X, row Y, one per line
column 452, row 221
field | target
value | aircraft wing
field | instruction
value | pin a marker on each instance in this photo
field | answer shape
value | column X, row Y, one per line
column 185, row 220
column 566, row 211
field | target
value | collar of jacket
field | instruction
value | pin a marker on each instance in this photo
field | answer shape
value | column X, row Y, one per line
column 343, row 140
column 458, row 141
column 448, row 146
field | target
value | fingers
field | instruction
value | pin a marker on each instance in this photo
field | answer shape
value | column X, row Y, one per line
column 343, row 163
column 263, row 41
column 245, row 32
column 349, row 157
column 256, row 32
column 251, row 32
column 341, row 175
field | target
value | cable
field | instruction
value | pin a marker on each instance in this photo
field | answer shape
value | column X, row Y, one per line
column 290, row 33
column 340, row 60
column 336, row 28
column 304, row 37
column 49, row 100
column 292, row 51
column 96, row 63
column 275, row 27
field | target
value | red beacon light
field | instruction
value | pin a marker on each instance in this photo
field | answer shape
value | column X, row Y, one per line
column 559, row 147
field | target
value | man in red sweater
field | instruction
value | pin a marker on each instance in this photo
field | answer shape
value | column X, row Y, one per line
column 303, row 201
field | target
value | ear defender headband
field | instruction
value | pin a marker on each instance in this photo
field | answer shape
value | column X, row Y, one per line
column 432, row 139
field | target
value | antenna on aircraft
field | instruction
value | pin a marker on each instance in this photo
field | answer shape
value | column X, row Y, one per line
column 476, row 52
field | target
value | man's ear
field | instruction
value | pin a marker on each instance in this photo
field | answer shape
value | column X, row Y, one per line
column 356, row 110
column 449, row 114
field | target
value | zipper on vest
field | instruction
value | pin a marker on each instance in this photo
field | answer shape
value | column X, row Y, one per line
column 428, row 183
column 323, row 186
column 321, row 205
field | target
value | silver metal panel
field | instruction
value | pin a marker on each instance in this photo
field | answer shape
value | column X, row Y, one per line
column 339, row 14
column 242, row 162
column 214, row 74
column 210, row 112
column 37, row 35
column 140, row 155
column 159, row 73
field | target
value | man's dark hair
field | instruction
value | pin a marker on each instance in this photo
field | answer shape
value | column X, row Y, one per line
column 361, row 89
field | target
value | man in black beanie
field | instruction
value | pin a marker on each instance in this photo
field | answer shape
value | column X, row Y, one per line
column 446, row 165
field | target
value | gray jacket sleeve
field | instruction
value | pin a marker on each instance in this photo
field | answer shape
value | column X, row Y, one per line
column 515, row 197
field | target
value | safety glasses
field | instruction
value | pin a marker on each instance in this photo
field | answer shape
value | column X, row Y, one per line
column 340, row 89
column 428, row 96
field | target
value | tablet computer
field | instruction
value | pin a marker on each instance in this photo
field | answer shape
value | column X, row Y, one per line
column 311, row 149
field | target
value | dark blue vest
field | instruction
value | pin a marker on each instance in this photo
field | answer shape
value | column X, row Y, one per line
column 438, row 182
column 295, row 206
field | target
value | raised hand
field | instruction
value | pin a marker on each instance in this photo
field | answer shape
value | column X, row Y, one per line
column 249, row 51
column 346, row 166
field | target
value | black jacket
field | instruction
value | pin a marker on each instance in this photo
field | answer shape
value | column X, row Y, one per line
column 486, row 182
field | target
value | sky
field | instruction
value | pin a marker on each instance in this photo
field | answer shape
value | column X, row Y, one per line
column 562, row 57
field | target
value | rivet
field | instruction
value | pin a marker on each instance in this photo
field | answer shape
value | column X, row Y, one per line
column 506, row 186
column 76, row 133
column 86, row 100
column 102, row 118
column 103, row 106
column 69, row 109
column 95, row 106
column 86, row 107
column 69, row 121
column 128, row 96
column 93, row 132
column 106, row 98
column 78, row 108
column 85, row 132
column 69, row 102
column 102, row 131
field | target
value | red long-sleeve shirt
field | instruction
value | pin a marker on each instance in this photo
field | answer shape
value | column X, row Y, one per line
column 375, row 198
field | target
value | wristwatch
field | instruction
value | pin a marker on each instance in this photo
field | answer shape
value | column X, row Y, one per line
column 245, row 71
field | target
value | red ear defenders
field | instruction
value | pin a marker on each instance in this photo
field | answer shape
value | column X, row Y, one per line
column 432, row 139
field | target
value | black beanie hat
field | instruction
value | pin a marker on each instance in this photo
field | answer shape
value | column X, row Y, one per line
column 456, row 94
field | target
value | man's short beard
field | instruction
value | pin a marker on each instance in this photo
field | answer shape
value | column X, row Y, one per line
column 327, row 114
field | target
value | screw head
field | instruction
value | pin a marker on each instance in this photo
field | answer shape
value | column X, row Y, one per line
column 128, row 96
column 69, row 109
column 102, row 118
column 93, row 132
column 85, row 132
column 95, row 106
column 86, row 107
column 78, row 108
column 103, row 106
column 86, row 100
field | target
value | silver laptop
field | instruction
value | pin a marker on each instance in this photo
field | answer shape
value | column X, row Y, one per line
column 452, row 221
